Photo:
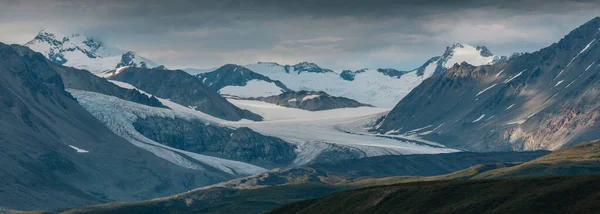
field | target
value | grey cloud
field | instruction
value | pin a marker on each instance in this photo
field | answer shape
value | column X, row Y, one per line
column 357, row 33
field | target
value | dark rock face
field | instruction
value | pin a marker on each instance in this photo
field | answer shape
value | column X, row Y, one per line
column 541, row 100
column 347, row 75
column 438, row 70
column 350, row 75
column 484, row 51
column 312, row 101
column 39, row 124
column 234, row 75
column 185, row 89
column 306, row 67
column 392, row 72
column 241, row 144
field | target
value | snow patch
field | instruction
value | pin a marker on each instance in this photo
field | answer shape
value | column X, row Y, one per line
column 584, row 49
column 479, row 118
column 310, row 97
column 512, row 78
column 78, row 149
column 488, row 88
column 588, row 68
column 509, row 107
column 498, row 74
column 558, row 83
column 253, row 88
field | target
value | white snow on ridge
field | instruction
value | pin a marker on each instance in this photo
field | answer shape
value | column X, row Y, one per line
column 514, row 77
column 371, row 86
column 479, row 118
column 588, row 68
column 310, row 97
column 509, row 107
column 558, row 83
column 430, row 69
column 484, row 90
column 254, row 88
column 78, row 150
column 470, row 55
column 74, row 48
column 583, row 50
column 498, row 74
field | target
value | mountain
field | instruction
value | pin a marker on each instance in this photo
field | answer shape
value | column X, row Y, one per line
column 85, row 53
column 379, row 87
column 55, row 154
column 182, row 88
column 542, row 100
column 311, row 101
column 235, row 80
column 268, row 190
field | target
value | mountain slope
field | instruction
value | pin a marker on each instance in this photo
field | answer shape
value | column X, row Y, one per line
column 241, row 82
column 84, row 53
column 537, row 194
column 181, row 88
column 529, row 195
column 543, row 100
column 55, row 154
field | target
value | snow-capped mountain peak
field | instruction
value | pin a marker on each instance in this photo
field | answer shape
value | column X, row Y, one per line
column 456, row 54
column 84, row 52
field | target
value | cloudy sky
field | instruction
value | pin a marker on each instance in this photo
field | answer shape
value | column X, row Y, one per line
column 337, row 34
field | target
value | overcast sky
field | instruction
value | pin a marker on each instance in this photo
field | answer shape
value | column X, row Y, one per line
column 336, row 34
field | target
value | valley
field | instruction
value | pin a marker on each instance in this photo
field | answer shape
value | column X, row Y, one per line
column 302, row 109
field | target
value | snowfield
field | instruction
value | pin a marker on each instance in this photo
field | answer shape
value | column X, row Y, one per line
column 312, row 132
column 344, row 127
column 254, row 88
column 371, row 86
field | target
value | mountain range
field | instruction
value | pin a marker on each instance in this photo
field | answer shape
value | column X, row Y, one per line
column 86, row 53
column 84, row 123
column 379, row 87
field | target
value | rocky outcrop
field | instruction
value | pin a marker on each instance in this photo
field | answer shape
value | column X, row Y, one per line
column 182, row 88
column 306, row 67
column 391, row 72
column 312, row 101
column 240, row 144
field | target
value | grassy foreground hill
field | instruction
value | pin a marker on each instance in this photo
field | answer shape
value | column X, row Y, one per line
column 560, row 182
column 564, row 194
